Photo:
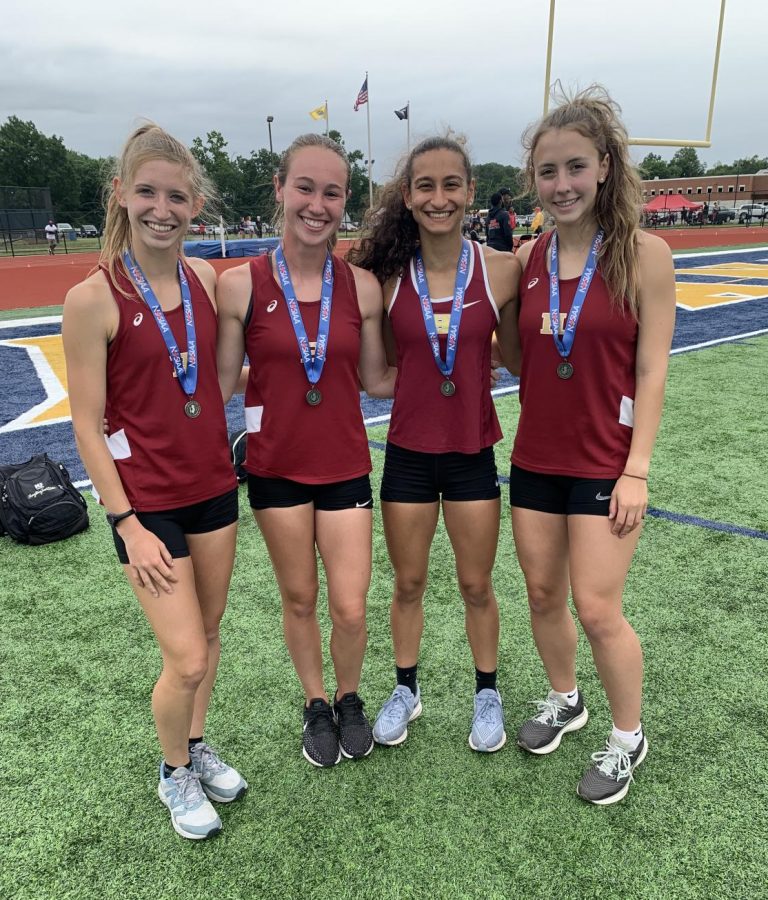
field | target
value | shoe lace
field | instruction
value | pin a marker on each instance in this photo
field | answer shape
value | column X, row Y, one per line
column 209, row 761
column 351, row 708
column 321, row 720
column 188, row 786
column 614, row 762
column 487, row 710
column 397, row 705
column 548, row 711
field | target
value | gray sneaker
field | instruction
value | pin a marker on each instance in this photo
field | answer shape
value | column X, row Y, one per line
column 391, row 725
column 543, row 733
column 488, row 733
column 607, row 779
column 219, row 781
column 192, row 815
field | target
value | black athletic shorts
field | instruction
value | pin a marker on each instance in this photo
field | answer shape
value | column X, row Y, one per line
column 414, row 477
column 560, row 494
column 171, row 525
column 268, row 493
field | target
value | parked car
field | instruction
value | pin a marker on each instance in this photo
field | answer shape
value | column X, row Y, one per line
column 752, row 212
column 196, row 228
column 89, row 231
column 524, row 220
column 66, row 230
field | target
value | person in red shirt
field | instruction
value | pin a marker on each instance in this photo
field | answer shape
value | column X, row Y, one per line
column 597, row 311
column 311, row 325
column 444, row 298
column 140, row 345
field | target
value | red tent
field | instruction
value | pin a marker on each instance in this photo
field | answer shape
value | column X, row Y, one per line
column 670, row 202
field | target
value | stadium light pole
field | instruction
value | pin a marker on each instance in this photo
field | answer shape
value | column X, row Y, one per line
column 270, row 120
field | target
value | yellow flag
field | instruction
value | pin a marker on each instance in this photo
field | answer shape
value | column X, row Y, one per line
column 320, row 113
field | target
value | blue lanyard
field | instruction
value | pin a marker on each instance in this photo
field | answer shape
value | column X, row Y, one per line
column 187, row 379
column 565, row 343
column 460, row 286
column 313, row 363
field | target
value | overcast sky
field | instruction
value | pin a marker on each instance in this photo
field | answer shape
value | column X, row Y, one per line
column 87, row 70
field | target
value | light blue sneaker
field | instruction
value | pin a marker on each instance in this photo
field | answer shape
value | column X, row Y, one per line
column 219, row 781
column 391, row 725
column 192, row 815
column 488, row 733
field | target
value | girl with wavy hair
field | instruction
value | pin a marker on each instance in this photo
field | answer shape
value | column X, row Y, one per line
column 444, row 297
column 597, row 312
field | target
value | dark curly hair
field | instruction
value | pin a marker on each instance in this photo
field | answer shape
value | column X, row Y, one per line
column 390, row 234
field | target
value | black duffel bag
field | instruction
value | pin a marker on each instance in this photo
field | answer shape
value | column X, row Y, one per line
column 38, row 502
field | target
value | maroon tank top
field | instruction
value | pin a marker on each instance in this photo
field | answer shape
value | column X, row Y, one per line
column 422, row 418
column 581, row 426
column 165, row 459
column 288, row 438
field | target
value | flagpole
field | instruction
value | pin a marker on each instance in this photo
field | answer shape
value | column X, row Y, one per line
column 370, row 158
column 408, row 126
column 327, row 122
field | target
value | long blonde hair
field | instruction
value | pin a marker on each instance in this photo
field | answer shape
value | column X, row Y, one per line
column 594, row 115
column 148, row 142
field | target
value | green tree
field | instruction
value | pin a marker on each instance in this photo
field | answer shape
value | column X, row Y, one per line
column 221, row 169
column 357, row 203
column 92, row 175
column 491, row 176
column 747, row 166
column 257, row 193
column 685, row 164
column 28, row 158
column 653, row 166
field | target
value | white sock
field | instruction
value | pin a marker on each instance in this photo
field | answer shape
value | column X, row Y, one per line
column 570, row 697
column 629, row 739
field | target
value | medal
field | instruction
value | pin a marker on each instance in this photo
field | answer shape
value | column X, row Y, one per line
column 447, row 388
column 187, row 378
column 313, row 362
column 564, row 344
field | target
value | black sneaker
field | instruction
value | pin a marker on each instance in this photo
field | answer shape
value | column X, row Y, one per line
column 321, row 738
column 543, row 733
column 607, row 779
column 355, row 734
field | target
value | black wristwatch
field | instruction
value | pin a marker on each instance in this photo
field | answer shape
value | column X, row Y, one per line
column 114, row 519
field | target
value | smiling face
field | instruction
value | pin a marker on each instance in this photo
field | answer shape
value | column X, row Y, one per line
column 568, row 171
column 439, row 191
column 313, row 195
column 160, row 203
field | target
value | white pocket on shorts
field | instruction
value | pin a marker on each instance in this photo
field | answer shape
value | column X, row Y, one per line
column 627, row 412
column 253, row 416
column 118, row 444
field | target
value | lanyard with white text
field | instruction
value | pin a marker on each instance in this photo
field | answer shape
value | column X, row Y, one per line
column 447, row 388
column 187, row 378
column 564, row 344
column 313, row 362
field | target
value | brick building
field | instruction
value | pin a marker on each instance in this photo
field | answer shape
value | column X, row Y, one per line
column 708, row 188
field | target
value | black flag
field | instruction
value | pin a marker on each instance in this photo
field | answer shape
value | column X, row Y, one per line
column 402, row 113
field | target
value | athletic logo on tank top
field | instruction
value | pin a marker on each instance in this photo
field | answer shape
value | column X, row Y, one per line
column 532, row 283
column 138, row 319
column 272, row 306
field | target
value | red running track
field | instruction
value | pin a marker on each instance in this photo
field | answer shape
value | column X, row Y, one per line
column 34, row 281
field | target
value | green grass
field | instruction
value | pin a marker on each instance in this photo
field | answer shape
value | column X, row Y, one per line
column 428, row 819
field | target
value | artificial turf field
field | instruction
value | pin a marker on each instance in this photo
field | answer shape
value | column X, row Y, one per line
column 428, row 819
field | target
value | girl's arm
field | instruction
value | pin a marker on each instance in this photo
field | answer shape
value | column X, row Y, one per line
column 376, row 376
column 504, row 271
column 90, row 320
column 656, row 325
column 232, row 294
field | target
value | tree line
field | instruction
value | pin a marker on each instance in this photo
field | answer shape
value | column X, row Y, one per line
column 29, row 158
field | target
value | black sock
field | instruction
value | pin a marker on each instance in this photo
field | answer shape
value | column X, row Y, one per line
column 407, row 677
column 169, row 770
column 193, row 741
column 484, row 680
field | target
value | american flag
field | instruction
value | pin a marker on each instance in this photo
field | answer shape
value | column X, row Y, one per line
column 362, row 95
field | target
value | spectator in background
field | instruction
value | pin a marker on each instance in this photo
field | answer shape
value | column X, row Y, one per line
column 506, row 199
column 537, row 224
column 497, row 226
column 258, row 228
column 52, row 236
